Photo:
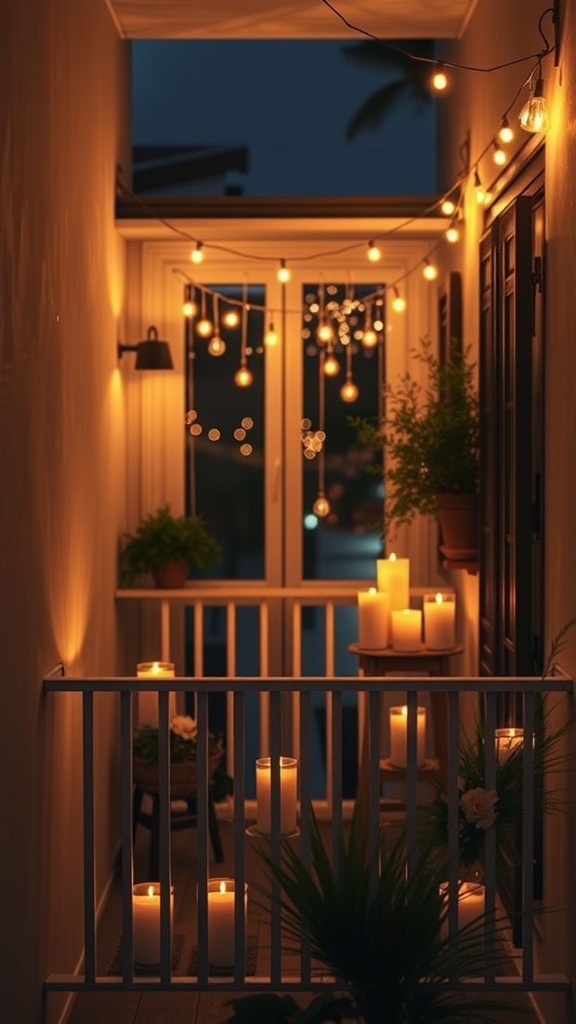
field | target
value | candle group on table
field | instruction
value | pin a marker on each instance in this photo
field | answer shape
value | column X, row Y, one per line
column 146, row 922
column 288, row 792
column 439, row 621
column 152, row 671
column 221, row 905
column 399, row 736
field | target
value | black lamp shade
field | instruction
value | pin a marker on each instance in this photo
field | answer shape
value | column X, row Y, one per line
column 153, row 355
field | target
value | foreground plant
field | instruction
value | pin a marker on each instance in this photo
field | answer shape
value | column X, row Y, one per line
column 378, row 931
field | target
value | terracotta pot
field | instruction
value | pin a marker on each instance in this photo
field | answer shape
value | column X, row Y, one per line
column 171, row 576
column 459, row 522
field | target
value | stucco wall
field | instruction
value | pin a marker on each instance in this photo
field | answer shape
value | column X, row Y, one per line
column 497, row 32
column 63, row 126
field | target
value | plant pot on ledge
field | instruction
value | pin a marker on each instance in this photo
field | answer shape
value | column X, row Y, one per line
column 458, row 520
column 171, row 576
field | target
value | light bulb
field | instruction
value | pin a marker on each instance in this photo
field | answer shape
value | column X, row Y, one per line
column 430, row 271
column 204, row 327
column 243, row 377
column 349, row 391
column 505, row 132
column 321, row 506
column 270, row 338
column 331, row 366
column 216, row 346
column 189, row 309
column 439, row 80
column 534, row 115
column 197, row 254
column 448, row 206
column 452, row 234
column 398, row 302
column 481, row 193
column 499, row 155
column 231, row 318
column 369, row 338
column 374, row 253
column 283, row 273
column 325, row 333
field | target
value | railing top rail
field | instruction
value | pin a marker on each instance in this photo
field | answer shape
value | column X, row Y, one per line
column 224, row 591
column 58, row 682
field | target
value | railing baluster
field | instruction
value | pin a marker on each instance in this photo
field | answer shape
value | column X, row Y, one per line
column 202, row 843
column 88, row 815
column 305, row 805
column 490, row 835
column 164, row 835
column 275, row 839
column 528, row 840
column 126, row 847
column 240, row 936
column 453, row 813
column 411, row 780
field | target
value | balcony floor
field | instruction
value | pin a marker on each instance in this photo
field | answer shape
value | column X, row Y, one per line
column 189, row 1007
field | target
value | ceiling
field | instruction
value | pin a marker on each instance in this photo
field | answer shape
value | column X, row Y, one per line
column 289, row 19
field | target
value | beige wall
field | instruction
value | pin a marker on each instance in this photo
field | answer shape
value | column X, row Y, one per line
column 63, row 125
column 499, row 31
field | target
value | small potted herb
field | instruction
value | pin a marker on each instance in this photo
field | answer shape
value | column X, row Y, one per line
column 168, row 546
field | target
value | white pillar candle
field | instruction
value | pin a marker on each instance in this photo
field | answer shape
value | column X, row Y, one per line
column 393, row 575
column 146, row 921
column 399, row 736
column 152, row 671
column 439, row 621
column 471, row 904
column 221, row 904
column 407, row 630
column 288, row 788
column 508, row 741
column 373, row 619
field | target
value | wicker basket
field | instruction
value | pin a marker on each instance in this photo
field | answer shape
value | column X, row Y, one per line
column 183, row 774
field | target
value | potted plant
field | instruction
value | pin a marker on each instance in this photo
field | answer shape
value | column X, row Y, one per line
column 379, row 931
column 167, row 545
column 183, row 759
column 429, row 435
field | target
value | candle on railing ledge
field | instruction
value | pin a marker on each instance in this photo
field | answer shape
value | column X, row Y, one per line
column 288, row 789
column 146, row 921
column 471, row 903
column 399, row 736
column 221, row 903
column 393, row 576
column 439, row 621
column 407, row 629
column 508, row 741
column 373, row 619
column 148, row 701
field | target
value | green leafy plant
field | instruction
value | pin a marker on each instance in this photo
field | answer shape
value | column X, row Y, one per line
column 161, row 537
column 429, row 436
column 378, row 930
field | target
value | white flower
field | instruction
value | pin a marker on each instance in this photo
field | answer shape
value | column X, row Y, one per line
column 184, row 726
column 478, row 806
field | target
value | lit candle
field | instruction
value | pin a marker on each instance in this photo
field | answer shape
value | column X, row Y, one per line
column 407, row 629
column 508, row 741
column 221, row 903
column 399, row 736
column 393, row 575
column 288, row 785
column 148, row 701
column 439, row 621
column 373, row 618
column 471, row 903
column 146, row 921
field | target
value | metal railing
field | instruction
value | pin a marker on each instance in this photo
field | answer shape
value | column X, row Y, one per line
column 301, row 691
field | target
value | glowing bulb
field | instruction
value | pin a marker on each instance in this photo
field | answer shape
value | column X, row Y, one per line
column 216, row 346
column 534, row 115
column 204, row 327
column 321, row 506
column 270, row 338
column 374, row 253
column 448, row 206
column 231, row 318
column 325, row 333
column 369, row 338
column 430, row 271
column 505, row 132
column 349, row 391
column 481, row 193
column 283, row 273
column 398, row 302
column 439, row 78
column 452, row 234
column 189, row 309
column 499, row 155
column 197, row 254
column 331, row 366
column 243, row 377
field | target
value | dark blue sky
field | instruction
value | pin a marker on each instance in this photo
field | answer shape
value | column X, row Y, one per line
column 289, row 102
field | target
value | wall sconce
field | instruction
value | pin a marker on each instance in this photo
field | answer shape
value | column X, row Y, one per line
column 151, row 354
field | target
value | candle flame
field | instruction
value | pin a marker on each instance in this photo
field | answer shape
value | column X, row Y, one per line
column 222, row 886
column 392, row 557
column 155, row 667
column 439, row 598
column 150, row 890
column 372, row 590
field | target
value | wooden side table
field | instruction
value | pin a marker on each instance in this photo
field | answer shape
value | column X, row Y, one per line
column 424, row 662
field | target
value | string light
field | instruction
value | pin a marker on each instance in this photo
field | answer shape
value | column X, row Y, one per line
column 204, row 326
column 189, row 308
column 270, row 338
column 499, row 156
column 374, row 253
column 331, row 366
column 197, row 254
column 325, row 334
column 452, row 233
column 439, row 79
column 505, row 132
column 283, row 273
column 398, row 302
column 448, row 206
column 243, row 377
column 534, row 116
column 216, row 345
column 481, row 193
column 321, row 506
column 231, row 318
column 429, row 270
